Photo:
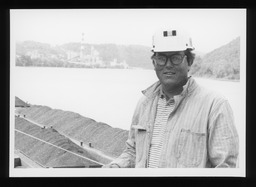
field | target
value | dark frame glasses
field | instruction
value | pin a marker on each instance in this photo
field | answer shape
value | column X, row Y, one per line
column 175, row 59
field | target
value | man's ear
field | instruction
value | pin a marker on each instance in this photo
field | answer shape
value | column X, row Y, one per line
column 154, row 64
column 189, row 64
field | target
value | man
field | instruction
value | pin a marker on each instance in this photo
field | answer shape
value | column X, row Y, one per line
column 177, row 123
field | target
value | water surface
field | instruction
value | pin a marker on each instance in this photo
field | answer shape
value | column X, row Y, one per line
column 105, row 95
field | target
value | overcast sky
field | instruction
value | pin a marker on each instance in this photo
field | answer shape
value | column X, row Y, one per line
column 209, row 28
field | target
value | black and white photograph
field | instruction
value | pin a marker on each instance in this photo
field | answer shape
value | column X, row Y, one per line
column 127, row 92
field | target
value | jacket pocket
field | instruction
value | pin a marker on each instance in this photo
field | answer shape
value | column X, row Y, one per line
column 190, row 148
column 141, row 142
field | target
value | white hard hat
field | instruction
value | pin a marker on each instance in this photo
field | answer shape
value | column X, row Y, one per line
column 171, row 40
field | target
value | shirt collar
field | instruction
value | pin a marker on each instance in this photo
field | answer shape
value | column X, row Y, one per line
column 156, row 88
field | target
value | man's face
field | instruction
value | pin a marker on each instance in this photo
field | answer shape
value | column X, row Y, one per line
column 172, row 74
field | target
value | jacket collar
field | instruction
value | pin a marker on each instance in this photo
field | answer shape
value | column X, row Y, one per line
column 155, row 88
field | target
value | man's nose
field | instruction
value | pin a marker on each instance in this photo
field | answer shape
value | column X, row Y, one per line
column 169, row 63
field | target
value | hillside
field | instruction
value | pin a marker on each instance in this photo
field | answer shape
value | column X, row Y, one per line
column 31, row 53
column 60, row 125
column 223, row 62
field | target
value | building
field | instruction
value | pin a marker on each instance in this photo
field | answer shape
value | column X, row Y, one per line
column 122, row 64
column 89, row 57
column 93, row 58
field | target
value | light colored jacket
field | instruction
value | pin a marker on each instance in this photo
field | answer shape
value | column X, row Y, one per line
column 200, row 131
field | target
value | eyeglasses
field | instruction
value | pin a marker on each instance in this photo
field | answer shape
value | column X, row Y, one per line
column 161, row 60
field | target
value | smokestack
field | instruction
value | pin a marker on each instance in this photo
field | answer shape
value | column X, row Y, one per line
column 82, row 49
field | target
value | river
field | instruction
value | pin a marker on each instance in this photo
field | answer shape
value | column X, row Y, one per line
column 105, row 95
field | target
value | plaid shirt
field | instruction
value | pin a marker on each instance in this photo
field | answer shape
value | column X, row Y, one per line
column 200, row 131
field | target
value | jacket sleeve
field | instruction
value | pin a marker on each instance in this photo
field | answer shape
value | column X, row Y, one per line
column 128, row 157
column 223, row 142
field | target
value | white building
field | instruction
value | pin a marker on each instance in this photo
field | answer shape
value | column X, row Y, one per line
column 122, row 64
column 93, row 58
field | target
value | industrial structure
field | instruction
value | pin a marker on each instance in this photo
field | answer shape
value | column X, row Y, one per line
column 92, row 57
column 81, row 54
column 86, row 57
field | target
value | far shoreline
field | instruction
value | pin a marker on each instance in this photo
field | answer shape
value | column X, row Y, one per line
column 130, row 68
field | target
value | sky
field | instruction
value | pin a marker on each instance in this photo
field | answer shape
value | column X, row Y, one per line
column 209, row 28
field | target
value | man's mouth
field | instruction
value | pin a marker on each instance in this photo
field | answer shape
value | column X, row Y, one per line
column 169, row 73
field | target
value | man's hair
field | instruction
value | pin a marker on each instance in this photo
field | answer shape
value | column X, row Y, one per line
column 191, row 56
column 188, row 52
